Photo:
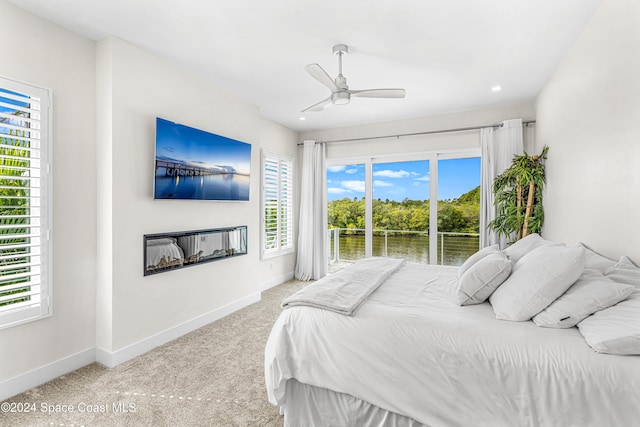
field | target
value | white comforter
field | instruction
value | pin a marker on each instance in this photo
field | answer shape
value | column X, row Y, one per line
column 412, row 350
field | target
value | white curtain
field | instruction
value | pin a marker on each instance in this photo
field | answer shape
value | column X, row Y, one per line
column 311, row 263
column 499, row 146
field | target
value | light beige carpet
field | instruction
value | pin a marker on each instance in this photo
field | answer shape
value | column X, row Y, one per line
column 211, row 377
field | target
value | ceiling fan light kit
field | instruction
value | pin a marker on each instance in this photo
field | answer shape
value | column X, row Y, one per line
column 340, row 92
column 340, row 98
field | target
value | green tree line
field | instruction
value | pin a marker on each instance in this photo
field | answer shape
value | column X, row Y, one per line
column 460, row 215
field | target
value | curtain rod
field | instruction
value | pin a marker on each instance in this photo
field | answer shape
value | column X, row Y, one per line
column 430, row 132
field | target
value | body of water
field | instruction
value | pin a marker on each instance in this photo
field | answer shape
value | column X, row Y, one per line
column 210, row 187
column 452, row 249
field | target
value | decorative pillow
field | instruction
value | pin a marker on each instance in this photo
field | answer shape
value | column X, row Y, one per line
column 615, row 330
column 624, row 271
column 591, row 293
column 477, row 257
column 537, row 280
column 596, row 261
column 525, row 245
column 482, row 278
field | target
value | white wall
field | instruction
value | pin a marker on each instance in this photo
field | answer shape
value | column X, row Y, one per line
column 422, row 143
column 137, row 87
column 49, row 56
column 589, row 116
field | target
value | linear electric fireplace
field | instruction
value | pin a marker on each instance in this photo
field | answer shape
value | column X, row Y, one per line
column 169, row 251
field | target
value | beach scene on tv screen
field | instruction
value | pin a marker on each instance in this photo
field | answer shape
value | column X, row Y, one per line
column 199, row 165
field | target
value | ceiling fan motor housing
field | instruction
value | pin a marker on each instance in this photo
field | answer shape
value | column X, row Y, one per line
column 341, row 82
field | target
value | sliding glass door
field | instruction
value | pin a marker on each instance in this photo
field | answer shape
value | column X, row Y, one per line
column 400, row 208
column 404, row 207
column 458, row 209
column 346, row 214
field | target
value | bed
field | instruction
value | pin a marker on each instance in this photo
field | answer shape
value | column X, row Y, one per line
column 410, row 355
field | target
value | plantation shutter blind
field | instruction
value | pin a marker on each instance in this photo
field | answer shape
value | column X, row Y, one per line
column 277, row 204
column 270, row 202
column 286, row 203
column 24, row 203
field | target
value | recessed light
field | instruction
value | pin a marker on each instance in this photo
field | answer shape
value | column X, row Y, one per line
column 303, row 118
column 496, row 89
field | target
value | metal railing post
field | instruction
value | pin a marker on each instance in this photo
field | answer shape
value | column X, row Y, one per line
column 386, row 235
column 336, row 244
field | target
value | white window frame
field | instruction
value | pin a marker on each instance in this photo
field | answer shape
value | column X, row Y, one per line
column 38, row 288
column 277, row 190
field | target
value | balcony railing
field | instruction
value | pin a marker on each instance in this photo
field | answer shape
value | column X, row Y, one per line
column 347, row 244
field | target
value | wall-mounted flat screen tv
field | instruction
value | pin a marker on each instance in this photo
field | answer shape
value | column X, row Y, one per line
column 196, row 165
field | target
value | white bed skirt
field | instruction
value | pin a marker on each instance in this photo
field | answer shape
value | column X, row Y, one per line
column 309, row 406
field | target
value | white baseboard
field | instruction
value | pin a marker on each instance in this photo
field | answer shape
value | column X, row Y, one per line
column 276, row 281
column 46, row 373
column 112, row 359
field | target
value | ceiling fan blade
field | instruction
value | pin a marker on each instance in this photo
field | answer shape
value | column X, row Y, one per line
column 378, row 93
column 318, row 106
column 318, row 73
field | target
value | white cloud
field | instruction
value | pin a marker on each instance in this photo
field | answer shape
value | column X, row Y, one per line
column 336, row 168
column 354, row 185
column 382, row 184
column 335, row 190
column 351, row 171
column 387, row 173
column 425, row 178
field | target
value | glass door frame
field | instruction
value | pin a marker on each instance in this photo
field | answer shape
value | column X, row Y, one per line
column 432, row 157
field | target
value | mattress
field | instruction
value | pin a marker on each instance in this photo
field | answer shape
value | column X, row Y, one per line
column 411, row 350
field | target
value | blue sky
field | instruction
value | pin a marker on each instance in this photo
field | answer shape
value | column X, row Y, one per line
column 189, row 145
column 400, row 180
column 8, row 110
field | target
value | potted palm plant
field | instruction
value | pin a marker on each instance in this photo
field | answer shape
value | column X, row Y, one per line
column 518, row 196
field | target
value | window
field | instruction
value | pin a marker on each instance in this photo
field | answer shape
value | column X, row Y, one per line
column 277, row 204
column 423, row 207
column 401, row 194
column 25, row 254
column 346, row 212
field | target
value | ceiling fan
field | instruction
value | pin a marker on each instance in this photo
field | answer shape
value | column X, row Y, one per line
column 340, row 92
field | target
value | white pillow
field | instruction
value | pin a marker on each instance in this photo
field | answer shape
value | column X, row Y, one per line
column 591, row 293
column 624, row 271
column 525, row 245
column 536, row 280
column 482, row 278
column 477, row 257
column 615, row 330
column 596, row 261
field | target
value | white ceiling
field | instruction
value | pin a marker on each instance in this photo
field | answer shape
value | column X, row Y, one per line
column 447, row 54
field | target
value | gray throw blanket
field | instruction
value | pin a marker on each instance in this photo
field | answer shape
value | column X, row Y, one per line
column 345, row 290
